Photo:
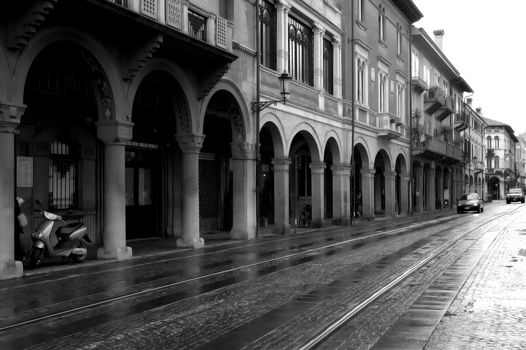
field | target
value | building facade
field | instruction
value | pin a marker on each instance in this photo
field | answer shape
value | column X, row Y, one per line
column 474, row 150
column 140, row 124
column 500, row 158
column 438, row 130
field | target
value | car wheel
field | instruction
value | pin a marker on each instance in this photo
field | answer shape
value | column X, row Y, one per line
column 478, row 210
column 507, row 202
column 482, row 209
column 522, row 201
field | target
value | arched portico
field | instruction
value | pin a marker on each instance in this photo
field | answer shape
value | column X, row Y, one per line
column 307, row 180
column 384, row 185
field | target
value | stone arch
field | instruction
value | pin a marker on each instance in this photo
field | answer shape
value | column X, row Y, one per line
column 277, row 138
column 185, row 111
column 333, row 141
column 386, row 157
column 5, row 76
column 402, row 160
column 109, row 84
column 363, row 148
column 242, row 127
column 312, row 140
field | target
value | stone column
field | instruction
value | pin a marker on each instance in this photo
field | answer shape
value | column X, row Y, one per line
column 190, row 146
column 318, row 56
column 318, row 197
column 9, row 120
column 419, row 188
column 244, row 190
column 390, row 193
column 337, row 63
column 368, row 192
column 340, row 194
column 440, row 187
column 115, row 135
column 282, row 36
column 430, row 189
column 404, row 195
column 281, row 195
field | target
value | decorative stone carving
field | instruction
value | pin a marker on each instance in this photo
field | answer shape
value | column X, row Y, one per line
column 10, row 116
column 102, row 84
column 190, row 143
column 114, row 132
column 243, row 150
column 211, row 80
column 28, row 26
column 281, row 164
column 143, row 55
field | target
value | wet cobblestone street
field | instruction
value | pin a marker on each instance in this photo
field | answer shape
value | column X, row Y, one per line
column 490, row 310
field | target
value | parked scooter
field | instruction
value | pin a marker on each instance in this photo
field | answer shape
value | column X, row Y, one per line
column 71, row 239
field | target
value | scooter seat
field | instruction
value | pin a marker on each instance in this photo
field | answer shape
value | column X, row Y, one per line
column 69, row 228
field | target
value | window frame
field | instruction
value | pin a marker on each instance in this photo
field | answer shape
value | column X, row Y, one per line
column 304, row 48
column 268, row 35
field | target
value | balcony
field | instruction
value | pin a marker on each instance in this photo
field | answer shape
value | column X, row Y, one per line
column 478, row 166
column 389, row 126
column 434, row 99
column 418, row 84
column 430, row 147
column 461, row 121
column 490, row 152
column 201, row 24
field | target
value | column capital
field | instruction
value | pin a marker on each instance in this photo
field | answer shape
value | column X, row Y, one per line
column 283, row 5
column 190, row 143
column 318, row 28
column 317, row 167
column 243, row 150
column 405, row 178
column 341, row 169
column 389, row 173
column 336, row 43
column 368, row 172
column 114, row 132
column 10, row 116
column 281, row 164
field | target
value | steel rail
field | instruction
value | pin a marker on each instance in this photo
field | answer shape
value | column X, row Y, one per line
column 346, row 317
column 90, row 306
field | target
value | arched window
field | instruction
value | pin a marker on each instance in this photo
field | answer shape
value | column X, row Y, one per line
column 471, row 180
column 399, row 41
column 496, row 142
column 327, row 66
column 381, row 23
column 267, row 34
column 497, row 162
column 62, row 176
column 360, row 80
column 488, row 142
column 300, row 51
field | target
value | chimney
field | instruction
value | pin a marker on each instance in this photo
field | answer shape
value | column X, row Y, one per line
column 439, row 37
column 479, row 110
column 469, row 100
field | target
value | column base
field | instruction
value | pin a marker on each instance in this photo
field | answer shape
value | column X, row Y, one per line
column 241, row 234
column 11, row 269
column 191, row 243
column 116, row 254
column 341, row 221
column 281, row 229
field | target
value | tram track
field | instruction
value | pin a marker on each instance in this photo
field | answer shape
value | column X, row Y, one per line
column 146, row 291
column 324, row 334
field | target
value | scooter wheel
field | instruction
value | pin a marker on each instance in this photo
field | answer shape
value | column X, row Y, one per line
column 79, row 258
column 35, row 257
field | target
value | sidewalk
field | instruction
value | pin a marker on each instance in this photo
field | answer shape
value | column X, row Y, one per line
column 143, row 248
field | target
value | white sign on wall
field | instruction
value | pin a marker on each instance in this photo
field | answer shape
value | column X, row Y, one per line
column 24, row 172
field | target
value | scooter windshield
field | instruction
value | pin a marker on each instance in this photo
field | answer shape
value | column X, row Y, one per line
column 51, row 216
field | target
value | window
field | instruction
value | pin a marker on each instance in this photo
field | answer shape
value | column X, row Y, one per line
column 383, row 92
column 400, row 97
column 327, row 66
column 427, row 74
column 415, row 64
column 381, row 24
column 497, row 165
column 496, row 142
column 488, row 142
column 399, row 42
column 267, row 35
column 360, row 9
column 300, row 51
column 196, row 25
column 62, row 176
column 361, row 80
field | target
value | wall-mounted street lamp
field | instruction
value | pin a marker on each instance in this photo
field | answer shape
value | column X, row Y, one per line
column 284, row 80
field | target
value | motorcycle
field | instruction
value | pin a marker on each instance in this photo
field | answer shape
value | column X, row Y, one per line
column 71, row 237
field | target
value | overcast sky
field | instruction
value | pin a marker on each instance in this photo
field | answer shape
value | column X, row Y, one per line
column 485, row 41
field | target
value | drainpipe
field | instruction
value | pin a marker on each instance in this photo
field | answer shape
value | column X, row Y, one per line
column 258, row 98
column 410, row 95
column 353, row 175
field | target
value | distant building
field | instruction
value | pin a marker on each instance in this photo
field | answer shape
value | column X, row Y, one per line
column 500, row 158
column 438, row 125
column 474, row 139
